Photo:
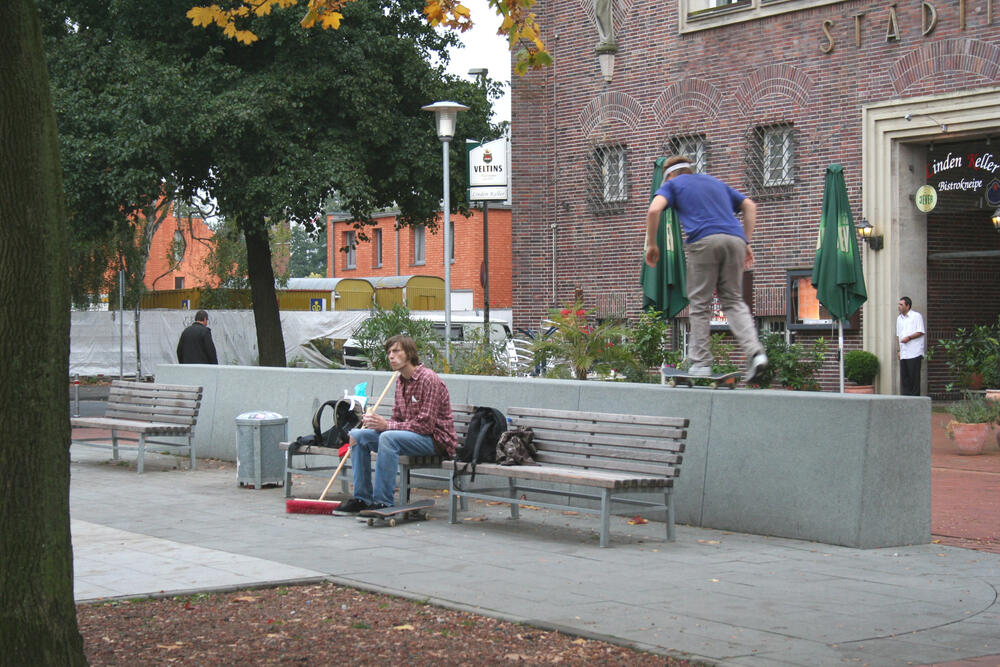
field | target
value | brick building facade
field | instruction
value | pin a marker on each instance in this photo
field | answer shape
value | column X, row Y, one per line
column 765, row 95
column 420, row 251
column 177, row 255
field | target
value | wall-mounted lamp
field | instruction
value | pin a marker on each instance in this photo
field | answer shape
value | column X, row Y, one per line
column 867, row 232
column 996, row 219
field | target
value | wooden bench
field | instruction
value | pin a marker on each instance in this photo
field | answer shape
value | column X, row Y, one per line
column 148, row 410
column 408, row 465
column 616, row 455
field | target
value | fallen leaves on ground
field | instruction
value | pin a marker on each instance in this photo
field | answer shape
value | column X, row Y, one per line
column 323, row 624
column 637, row 521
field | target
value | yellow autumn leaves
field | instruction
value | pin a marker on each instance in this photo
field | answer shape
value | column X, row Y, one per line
column 518, row 24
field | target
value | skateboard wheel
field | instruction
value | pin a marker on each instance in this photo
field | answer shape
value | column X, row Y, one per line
column 371, row 522
column 392, row 523
column 714, row 385
column 671, row 382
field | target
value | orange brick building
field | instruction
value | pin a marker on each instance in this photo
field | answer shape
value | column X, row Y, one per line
column 187, row 240
column 420, row 251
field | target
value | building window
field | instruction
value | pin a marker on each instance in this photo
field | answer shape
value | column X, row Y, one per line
column 607, row 179
column 351, row 249
column 419, row 234
column 178, row 283
column 691, row 146
column 705, row 14
column 771, row 160
column 377, row 243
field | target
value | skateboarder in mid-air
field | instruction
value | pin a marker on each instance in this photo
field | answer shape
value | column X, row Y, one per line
column 718, row 251
column 421, row 425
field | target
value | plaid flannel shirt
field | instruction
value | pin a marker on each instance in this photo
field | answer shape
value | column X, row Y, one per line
column 423, row 406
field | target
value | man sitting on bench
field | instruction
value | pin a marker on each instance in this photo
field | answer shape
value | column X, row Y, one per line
column 421, row 425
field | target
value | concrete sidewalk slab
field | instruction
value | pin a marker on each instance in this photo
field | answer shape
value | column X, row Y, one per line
column 725, row 598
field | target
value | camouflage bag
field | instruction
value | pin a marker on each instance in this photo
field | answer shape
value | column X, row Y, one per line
column 516, row 447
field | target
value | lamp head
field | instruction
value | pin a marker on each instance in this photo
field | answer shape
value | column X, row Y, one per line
column 996, row 219
column 446, row 117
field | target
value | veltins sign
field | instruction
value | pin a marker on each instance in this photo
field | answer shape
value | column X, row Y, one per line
column 489, row 171
column 926, row 198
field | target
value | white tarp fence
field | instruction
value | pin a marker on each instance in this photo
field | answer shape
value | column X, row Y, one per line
column 98, row 340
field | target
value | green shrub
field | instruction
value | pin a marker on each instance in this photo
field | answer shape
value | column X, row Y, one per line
column 860, row 366
column 974, row 409
column 791, row 365
column 384, row 324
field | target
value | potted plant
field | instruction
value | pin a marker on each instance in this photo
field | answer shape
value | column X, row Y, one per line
column 972, row 354
column 972, row 423
column 860, row 367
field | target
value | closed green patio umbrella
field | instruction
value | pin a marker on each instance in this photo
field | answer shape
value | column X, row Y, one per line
column 664, row 286
column 837, row 274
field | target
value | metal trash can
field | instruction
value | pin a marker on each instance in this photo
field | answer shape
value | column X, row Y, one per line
column 258, row 459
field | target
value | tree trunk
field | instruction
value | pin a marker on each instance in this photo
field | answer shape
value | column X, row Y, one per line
column 37, row 611
column 270, row 342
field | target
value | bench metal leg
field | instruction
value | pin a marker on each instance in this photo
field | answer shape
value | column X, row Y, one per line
column 605, row 516
column 114, row 444
column 142, row 451
column 452, row 501
column 404, row 484
column 288, row 474
column 515, row 509
column 191, row 450
column 668, row 501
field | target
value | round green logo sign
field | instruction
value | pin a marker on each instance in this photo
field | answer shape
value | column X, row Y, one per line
column 926, row 198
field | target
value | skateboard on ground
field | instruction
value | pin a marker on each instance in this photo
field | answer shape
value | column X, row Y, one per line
column 674, row 376
column 389, row 515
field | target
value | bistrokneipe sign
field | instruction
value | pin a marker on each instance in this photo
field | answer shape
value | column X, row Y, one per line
column 488, row 170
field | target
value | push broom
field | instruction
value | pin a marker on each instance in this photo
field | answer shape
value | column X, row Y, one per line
column 304, row 506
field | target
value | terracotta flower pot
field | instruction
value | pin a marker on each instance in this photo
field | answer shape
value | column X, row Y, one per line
column 859, row 389
column 970, row 439
column 993, row 395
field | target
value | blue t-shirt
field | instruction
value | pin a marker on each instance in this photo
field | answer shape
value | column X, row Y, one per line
column 704, row 204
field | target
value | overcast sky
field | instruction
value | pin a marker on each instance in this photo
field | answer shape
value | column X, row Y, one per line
column 484, row 48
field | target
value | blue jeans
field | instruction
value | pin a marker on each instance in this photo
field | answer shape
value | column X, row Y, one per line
column 389, row 445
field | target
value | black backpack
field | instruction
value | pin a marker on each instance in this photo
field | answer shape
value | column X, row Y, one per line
column 480, row 444
column 344, row 419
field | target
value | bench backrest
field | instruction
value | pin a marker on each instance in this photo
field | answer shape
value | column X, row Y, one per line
column 462, row 414
column 605, row 441
column 145, row 401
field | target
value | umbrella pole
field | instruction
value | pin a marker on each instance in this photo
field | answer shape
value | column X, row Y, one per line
column 840, row 352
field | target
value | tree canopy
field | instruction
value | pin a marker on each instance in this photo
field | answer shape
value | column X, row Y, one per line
column 518, row 23
column 270, row 131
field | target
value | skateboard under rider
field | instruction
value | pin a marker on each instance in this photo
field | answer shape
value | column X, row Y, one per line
column 412, row 511
column 674, row 376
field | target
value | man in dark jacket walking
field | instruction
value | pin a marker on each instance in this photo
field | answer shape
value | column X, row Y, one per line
column 195, row 345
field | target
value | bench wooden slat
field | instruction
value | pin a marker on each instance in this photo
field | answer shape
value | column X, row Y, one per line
column 612, row 453
column 145, row 409
column 616, row 429
column 621, row 453
column 653, row 420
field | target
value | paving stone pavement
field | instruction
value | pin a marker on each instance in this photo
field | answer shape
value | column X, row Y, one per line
column 724, row 598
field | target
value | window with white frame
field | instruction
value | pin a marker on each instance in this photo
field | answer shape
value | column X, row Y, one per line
column 705, row 14
column 691, row 146
column 771, row 160
column 350, row 249
column 612, row 160
column 606, row 178
column 419, row 235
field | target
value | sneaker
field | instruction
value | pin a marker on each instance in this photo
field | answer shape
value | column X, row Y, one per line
column 352, row 506
column 756, row 366
column 700, row 370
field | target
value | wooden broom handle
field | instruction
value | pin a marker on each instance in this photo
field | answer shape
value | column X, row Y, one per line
column 372, row 409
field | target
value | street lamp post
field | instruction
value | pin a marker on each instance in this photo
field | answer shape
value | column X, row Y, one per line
column 446, row 117
column 480, row 73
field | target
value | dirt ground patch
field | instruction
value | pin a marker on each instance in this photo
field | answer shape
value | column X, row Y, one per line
column 324, row 624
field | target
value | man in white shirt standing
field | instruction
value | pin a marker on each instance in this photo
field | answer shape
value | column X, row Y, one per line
column 910, row 332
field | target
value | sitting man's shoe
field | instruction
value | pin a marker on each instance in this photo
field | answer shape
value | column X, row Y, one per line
column 352, row 506
column 379, row 506
column 756, row 366
column 700, row 370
